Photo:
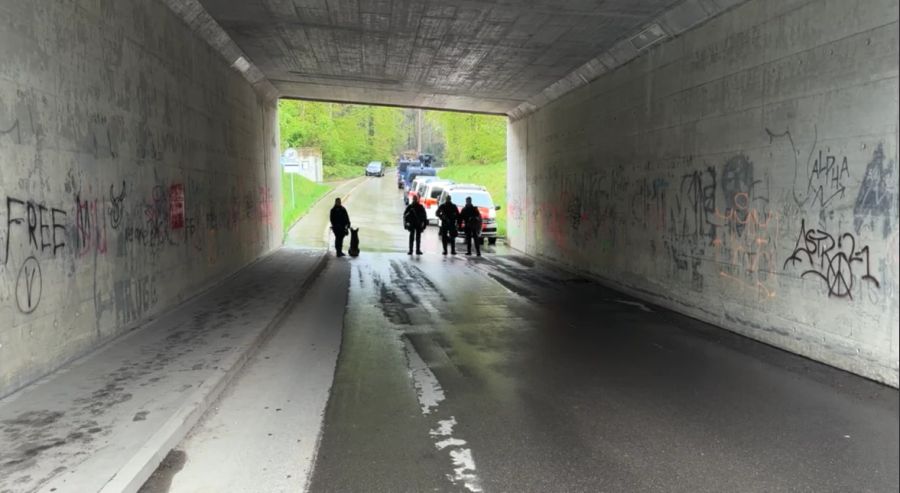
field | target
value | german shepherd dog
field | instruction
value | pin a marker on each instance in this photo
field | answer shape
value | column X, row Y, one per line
column 354, row 243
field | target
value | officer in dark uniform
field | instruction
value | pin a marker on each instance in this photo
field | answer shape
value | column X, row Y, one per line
column 414, row 220
column 471, row 219
column 340, row 224
column 448, row 214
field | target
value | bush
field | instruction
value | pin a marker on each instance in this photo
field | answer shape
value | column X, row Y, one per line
column 342, row 171
column 471, row 138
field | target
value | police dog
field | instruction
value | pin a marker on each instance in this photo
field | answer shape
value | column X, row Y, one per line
column 354, row 243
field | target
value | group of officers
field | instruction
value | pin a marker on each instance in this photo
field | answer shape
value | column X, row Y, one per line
column 415, row 220
column 452, row 220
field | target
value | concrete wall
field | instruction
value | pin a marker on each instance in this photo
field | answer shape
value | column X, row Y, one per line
column 744, row 173
column 136, row 168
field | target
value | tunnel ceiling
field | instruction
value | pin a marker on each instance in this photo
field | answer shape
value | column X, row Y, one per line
column 487, row 56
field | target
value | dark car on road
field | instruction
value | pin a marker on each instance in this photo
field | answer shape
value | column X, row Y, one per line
column 375, row 168
column 402, row 167
column 413, row 172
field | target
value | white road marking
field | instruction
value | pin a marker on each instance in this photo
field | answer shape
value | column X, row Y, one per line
column 445, row 427
column 465, row 469
column 450, row 442
column 430, row 395
column 428, row 389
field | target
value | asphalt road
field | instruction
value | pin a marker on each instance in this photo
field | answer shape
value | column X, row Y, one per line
column 498, row 374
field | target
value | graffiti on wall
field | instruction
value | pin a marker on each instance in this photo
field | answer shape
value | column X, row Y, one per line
column 820, row 178
column 134, row 298
column 42, row 226
column 13, row 131
column 746, row 229
column 831, row 259
column 176, row 206
column 90, row 226
column 690, row 228
column 18, row 125
column 29, row 285
column 694, row 217
column 876, row 194
column 648, row 203
column 691, row 215
column 32, row 230
column 116, row 209
column 265, row 205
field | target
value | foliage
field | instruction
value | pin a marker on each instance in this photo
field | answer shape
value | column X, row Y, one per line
column 348, row 135
column 342, row 172
column 471, row 138
column 491, row 176
column 305, row 194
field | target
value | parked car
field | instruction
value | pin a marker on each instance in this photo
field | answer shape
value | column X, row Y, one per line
column 430, row 195
column 412, row 172
column 414, row 188
column 375, row 168
column 481, row 199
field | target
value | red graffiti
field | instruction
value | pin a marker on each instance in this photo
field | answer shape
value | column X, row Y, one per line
column 90, row 227
column 265, row 205
column 176, row 206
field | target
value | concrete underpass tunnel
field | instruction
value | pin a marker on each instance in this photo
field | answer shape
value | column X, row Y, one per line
column 709, row 157
column 734, row 161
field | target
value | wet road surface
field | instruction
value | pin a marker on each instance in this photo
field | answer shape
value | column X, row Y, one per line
column 499, row 374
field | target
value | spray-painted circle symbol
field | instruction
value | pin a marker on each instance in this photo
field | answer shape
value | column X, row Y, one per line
column 29, row 286
column 840, row 276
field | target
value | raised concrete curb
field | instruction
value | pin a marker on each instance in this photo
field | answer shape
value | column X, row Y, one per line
column 105, row 422
column 132, row 476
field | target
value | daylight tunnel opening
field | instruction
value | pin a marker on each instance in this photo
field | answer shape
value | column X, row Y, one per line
column 427, row 155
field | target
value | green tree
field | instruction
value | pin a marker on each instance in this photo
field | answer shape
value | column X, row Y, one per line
column 471, row 138
column 349, row 136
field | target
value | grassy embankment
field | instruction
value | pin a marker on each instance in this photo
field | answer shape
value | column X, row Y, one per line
column 306, row 193
column 491, row 176
column 343, row 171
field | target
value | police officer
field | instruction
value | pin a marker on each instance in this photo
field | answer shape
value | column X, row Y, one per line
column 415, row 220
column 471, row 219
column 340, row 224
column 448, row 214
